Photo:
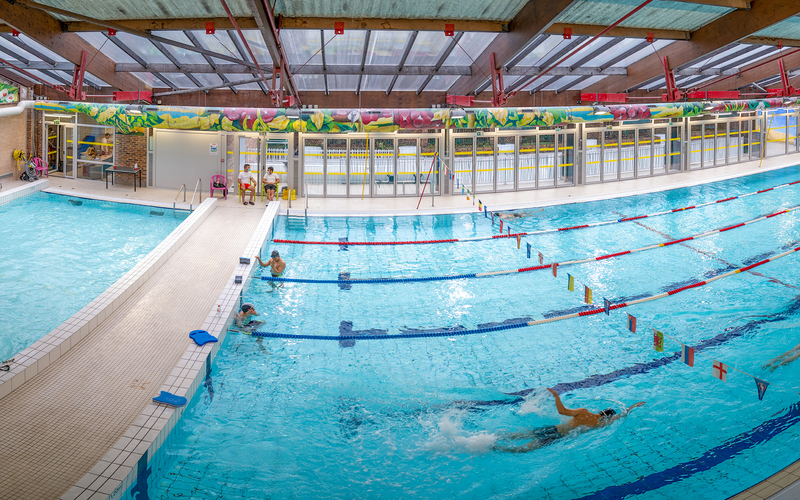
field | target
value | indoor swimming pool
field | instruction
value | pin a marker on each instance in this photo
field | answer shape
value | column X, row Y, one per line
column 60, row 252
column 294, row 418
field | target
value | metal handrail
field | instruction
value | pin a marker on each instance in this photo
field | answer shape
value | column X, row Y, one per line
column 175, row 201
column 305, row 195
column 195, row 192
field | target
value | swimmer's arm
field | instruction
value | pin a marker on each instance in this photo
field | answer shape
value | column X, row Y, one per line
column 563, row 410
column 259, row 261
column 626, row 411
column 529, row 446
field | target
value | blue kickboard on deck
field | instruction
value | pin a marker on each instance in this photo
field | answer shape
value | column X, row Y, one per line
column 170, row 399
column 202, row 337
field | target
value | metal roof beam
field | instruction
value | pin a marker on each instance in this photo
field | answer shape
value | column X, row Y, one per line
column 192, row 38
column 324, row 63
column 565, row 71
column 165, row 80
column 732, row 4
column 442, row 58
column 175, row 91
column 266, row 26
column 531, row 21
column 551, row 58
column 591, row 55
column 40, row 65
column 758, row 54
column 524, row 52
column 406, row 51
column 169, row 55
column 755, row 72
column 568, row 86
column 543, row 84
column 363, row 60
column 722, row 31
column 318, row 69
column 243, row 54
column 27, row 48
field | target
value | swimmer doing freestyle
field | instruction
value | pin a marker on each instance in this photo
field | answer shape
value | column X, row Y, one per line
column 543, row 436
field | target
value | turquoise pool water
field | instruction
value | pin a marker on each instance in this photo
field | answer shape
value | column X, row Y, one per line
column 417, row 418
column 60, row 252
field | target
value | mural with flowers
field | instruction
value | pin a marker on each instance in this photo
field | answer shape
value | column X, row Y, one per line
column 135, row 118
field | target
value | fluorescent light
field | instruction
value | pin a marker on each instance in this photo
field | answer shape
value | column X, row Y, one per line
column 601, row 111
column 292, row 113
column 457, row 114
column 59, row 116
column 708, row 106
column 133, row 109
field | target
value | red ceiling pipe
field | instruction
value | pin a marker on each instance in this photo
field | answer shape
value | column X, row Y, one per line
column 244, row 40
column 284, row 60
column 626, row 16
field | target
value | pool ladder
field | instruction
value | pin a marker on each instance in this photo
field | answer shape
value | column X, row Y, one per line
column 197, row 186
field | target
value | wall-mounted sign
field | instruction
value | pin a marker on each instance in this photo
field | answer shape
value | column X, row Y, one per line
column 212, row 148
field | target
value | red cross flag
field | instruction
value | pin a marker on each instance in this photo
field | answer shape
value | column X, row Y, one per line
column 721, row 370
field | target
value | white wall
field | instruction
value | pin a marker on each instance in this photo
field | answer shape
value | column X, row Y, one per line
column 183, row 156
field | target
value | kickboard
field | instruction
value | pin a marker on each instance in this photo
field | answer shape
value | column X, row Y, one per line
column 169, row 399
column 202, row 337
column 248, row 328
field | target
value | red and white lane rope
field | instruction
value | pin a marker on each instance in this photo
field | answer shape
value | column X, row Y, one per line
column 530, row 233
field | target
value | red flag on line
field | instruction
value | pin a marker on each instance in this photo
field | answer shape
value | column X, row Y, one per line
column 555, row 269
column 658, row 341
column 631, row 323
column 519, row 241
column 541, row 258
column 501, row 226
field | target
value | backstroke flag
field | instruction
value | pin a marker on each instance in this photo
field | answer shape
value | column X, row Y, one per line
column 720, row 370
column 631, row 323
column 541, row 258
column 519, row 241
column 570, row 283
column 658, row 340
column 607, row 305
column 480, row 205
column 555, row 269
column 762, row 388
column 501, row 226
column 687, row 355
column 587, row 295
column 529, row 249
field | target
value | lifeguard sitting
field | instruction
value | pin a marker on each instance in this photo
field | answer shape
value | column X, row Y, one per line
column 247, row 183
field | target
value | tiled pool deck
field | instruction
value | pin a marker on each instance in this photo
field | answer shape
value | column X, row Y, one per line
column 84, row 426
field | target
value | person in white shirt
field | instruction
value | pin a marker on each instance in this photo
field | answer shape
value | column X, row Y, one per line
column 247, row 183
column 271, row 181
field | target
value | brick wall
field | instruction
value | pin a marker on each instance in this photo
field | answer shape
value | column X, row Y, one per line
column 128, row 150
column 13, row 135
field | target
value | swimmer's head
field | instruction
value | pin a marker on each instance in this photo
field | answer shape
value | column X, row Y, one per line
column 247, row 307
column 607, row 413
column 275, row 254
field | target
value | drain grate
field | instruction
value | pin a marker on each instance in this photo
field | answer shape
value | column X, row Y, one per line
column 77, row 203
column 153, row 212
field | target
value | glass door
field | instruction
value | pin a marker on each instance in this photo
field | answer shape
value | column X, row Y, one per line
column 313, row 166
column 527, row 161
column 484, row 164
column 506, row 162
column 547, row 160
column 407, row 178
column 384, row 177
column 54, row 149
column 463, row 155
column 359, row 156
column 430, row 165
column 69, row 151
column 566, row 158
column 336, row 167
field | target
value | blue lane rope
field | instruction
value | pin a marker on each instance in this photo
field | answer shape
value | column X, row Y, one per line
column 451, row 333
column 372, row 280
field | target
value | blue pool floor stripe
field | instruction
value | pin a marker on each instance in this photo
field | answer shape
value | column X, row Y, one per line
column 711, row 458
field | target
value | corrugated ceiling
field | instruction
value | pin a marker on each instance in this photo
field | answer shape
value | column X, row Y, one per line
column 656, row 15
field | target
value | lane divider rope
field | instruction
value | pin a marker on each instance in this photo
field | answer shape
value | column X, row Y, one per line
column 460, row 332
column 527, row 269
column 531, row 233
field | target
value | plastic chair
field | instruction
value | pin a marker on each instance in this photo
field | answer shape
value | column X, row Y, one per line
column 219, row 179
column 41, row 166
column 264, row 189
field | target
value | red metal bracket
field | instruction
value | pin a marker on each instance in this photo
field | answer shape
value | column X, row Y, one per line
column 650, row 37
column 112, row 32
column 597, row 97
column 449, row 29
column 787, row 89
column 210, row 28
column 673, row 93
column 338, row 27
column 463, row 101
column 498, row 96
column 14, row 32
column 567, row 33
column 713, row 94
column 77, row 80
column 138, row 95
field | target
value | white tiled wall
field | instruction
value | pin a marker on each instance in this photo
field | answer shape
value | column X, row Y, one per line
column 117, row 471
column 19, row 192
column 55, row 344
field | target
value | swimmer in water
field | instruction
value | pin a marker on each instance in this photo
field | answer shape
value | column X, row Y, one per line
column 517, row 215
column 784, row 359
column 543, row 436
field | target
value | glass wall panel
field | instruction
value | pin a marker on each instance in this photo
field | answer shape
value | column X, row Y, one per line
column 359, row 168
column 313, row 166
column 527, row 161
column 627, row 152
column 659, row 150
column 734, row 142
column 644, row 138
column 755, row 139
column 506, row 163
column 53, row 149
column 793, row 133
column 384, row 166
column 407, row 161
column 709, row 144
column 593, row 157
column 95, row 151
column 69, row 155
column 484, row 164
column 547, row 160
column 610, row 155
column 566, row 159
column 463, row 152
column 696, row 147
column 675, row 148
column 777, row 122
column 429, row 164
column 721, row 144
column 276, row 155
column 336, row 167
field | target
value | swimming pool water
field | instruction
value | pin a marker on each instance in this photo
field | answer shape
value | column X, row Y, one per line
column 417, row 418
column 60, row 252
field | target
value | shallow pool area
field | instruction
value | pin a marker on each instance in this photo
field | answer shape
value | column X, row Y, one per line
column 60, row 252
column 419, row 417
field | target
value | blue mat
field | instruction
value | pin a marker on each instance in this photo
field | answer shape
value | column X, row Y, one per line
column 170, row 399
column 202, row 337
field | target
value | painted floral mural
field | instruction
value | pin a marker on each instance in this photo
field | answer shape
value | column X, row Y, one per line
column 136, row 118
